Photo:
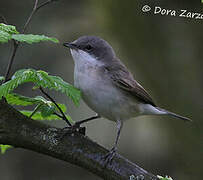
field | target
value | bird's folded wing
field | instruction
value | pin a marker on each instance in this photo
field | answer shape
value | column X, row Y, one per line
column 123, row 79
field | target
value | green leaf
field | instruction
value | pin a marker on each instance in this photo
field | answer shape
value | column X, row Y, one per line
column 17, row 99
column 40, row 78
column 8, row 28
column 63, row 107
column 164, row 178
column 38, row 116
column 30, row 38
column 8, row 32
column 47, row 110
column 57, row 83
column 4, row 148
column 4, row 37
column 44, row 106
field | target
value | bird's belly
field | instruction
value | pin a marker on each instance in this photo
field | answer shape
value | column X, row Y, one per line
column 104, row 98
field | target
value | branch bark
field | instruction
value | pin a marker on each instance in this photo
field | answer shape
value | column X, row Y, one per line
column 22, row 132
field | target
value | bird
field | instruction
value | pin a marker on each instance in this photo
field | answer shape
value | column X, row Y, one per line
column 108, row 87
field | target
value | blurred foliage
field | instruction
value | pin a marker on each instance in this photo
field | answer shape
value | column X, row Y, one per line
column 3, row 148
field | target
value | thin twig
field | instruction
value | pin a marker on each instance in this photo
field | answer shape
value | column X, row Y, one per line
column 52, row 100
column 30, row 17
column 15, row 47
column 16, row 44
column 58, row 115
column 3, row 18
column 35, row 9
column 45, row 3
column 88, row 119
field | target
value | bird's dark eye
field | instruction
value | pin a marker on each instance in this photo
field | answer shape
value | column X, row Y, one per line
column 88, row 47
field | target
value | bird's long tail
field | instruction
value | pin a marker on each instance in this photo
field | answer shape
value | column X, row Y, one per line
column 174, row 115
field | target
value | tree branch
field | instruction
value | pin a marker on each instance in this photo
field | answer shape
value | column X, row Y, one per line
column 20, row 131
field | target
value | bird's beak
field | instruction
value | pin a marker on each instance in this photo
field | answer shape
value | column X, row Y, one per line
column 70, row 45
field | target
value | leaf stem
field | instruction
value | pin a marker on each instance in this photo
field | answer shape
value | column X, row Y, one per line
column 52, row 100
column 35, row 110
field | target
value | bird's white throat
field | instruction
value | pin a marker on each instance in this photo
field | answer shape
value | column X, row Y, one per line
column 81, row 57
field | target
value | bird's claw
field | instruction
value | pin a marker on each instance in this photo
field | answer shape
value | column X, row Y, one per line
column 75, row 129
column 72, row 130
column 109, row 156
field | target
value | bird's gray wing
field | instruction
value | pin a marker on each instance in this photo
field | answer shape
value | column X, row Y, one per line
column 123, row 79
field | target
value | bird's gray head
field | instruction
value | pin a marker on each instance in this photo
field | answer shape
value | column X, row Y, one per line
column 91, row 48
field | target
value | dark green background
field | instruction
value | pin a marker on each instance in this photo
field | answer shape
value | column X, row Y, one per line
column 164, row 53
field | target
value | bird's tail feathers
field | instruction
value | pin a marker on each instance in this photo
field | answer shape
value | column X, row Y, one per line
column 174, row 115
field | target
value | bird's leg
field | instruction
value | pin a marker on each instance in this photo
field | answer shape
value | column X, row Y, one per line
column 78, row 123
column 110, row 155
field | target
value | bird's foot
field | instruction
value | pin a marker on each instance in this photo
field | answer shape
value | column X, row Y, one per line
column 109, row 156
column 71, row 130
column 75, row 128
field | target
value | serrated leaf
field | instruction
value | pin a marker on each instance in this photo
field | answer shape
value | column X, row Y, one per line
column 65, row 87
column 10, row 29
column 8, row 32
column 38, row 116
column 44, row 107
column 58, row 84
column 3, row 148
column 17, row 99
column 30, row 38
column 4, row 37
column 47, row 110
column 42, row 100
column 40, row 78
